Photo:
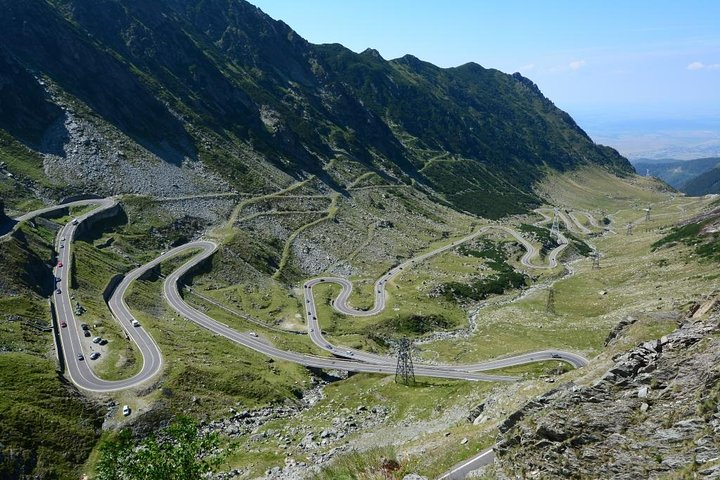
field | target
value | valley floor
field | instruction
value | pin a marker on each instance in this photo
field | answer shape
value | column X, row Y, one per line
column 280, row 420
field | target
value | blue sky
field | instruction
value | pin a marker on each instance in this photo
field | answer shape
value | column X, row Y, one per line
column 603, row 61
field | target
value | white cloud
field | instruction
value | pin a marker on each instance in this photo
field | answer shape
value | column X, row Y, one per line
column 576, row 64
column 702, row 66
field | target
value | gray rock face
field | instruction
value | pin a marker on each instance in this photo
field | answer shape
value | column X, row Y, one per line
column 655, row 413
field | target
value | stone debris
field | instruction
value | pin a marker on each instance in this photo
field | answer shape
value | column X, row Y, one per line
column 655, row 413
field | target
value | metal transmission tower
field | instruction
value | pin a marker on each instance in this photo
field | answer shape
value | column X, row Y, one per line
column 405, row 371
column 550, row 305
column 596, row 259
column 630, row 228
column 555, row 229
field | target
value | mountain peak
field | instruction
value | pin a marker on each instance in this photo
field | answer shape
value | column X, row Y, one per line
column 372, row 53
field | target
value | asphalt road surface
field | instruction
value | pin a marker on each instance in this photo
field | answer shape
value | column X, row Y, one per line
column 71, row 336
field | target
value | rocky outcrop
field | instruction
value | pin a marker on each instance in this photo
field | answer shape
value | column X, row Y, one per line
column 655, row 412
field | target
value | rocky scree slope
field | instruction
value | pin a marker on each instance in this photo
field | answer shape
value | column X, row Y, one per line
column 655, row 413
column 222, row 83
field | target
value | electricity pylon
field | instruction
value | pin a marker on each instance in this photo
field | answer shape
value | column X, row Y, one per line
column 405, row 371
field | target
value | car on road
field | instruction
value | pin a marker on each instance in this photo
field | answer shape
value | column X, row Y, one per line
column 59, row 264
column 135, row 323
column 57, row 279
column 63, row 324
column 62, row 245
column 126, row 410
column 555, row 355
column 96, row 340
column 253, row 334
column 80, row 357
column 349, row 352
column 75, row 221
column 328, row 346
column 58, row 291
column 94, row 355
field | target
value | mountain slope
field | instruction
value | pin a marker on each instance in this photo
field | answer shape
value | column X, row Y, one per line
column 706, row 182
column 219, row 81
column 676, row 172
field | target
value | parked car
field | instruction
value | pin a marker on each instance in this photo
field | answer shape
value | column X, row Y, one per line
column 96, row 340
column 94, row 355
column 126, row 410
column 86, row 333
column 84, row 326
column 103, row 341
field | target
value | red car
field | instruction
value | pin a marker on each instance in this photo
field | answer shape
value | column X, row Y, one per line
column 59, row 264
column 63, row 324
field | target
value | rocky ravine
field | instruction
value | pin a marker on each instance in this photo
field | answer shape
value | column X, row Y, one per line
column 654, row 414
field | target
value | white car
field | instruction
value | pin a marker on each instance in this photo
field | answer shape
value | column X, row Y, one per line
column 126, row 410
column 75, row 221
column 253, row 334
column 135, row 323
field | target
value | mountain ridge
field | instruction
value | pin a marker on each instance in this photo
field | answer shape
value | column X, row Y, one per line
column 173, row 74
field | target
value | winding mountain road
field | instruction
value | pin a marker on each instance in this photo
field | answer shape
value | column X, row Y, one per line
column 83, row 376
column 71, row 336
column 70, row 332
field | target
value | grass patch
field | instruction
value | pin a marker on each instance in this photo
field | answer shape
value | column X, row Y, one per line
column 48, row 429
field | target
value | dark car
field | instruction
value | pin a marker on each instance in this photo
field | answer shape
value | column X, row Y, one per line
column 80, row 356
column 86, row 333
column 63, row 324
column 84, row 326
column 59, row 264
column 555, row 355
column 94, row 355
column 58, row 291
column 103, row 341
